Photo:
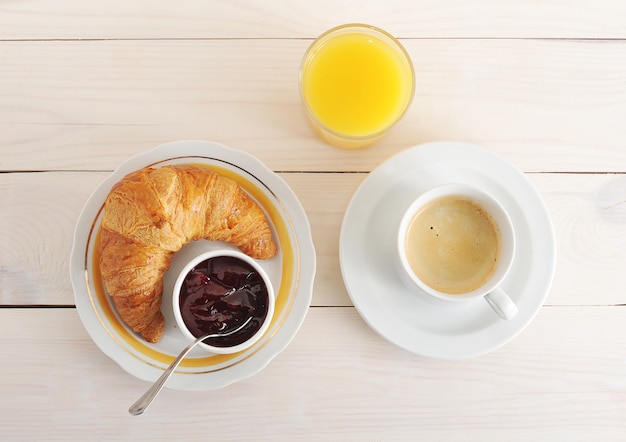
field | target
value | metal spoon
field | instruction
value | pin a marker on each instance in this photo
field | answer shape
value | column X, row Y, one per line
column 144, row 401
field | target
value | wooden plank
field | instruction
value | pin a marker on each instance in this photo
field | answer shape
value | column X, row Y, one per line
column 561, row 379
column 546, row 105
column 589, row 216
column 588, row 212
column 40, row 211
column 116, row 19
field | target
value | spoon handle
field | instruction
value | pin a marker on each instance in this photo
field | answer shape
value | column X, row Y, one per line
column 146, row 399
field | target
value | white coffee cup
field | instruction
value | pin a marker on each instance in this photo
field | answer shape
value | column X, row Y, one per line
column 456, row 243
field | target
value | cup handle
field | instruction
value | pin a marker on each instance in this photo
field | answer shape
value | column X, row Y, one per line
column 501, row 304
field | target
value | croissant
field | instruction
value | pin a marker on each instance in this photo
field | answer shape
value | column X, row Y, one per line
column 151, row 214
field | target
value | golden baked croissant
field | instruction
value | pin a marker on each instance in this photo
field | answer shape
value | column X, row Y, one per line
column 151, row 214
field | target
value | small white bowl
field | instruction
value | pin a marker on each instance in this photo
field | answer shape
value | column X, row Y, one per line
column 251, row 332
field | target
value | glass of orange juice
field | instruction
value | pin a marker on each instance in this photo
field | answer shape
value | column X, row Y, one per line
column 356, row 81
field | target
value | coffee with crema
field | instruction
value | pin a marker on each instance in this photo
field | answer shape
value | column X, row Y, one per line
column 453, row 244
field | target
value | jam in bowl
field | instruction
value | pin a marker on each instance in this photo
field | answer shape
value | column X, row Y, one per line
column 216, row 292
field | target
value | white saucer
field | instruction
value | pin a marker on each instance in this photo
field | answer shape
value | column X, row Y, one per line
column 292, row 272
column 408, row 318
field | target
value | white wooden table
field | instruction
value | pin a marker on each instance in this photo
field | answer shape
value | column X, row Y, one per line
column 86, row 85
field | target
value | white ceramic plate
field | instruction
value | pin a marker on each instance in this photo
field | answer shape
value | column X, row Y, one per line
column 292, row 272
column 407, row 317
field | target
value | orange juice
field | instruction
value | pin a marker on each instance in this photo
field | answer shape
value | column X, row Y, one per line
column 356, row 82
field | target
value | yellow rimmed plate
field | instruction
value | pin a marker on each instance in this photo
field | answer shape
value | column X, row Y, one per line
column 292, row 272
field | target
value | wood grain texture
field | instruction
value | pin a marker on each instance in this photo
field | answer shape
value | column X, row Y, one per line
column 78, row 105
column 589, row 215
column 588, row 212
column 553, row 382
column 39, row 212
column 120, row 19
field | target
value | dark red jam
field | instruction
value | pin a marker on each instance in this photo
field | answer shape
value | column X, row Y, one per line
column 218, row 295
